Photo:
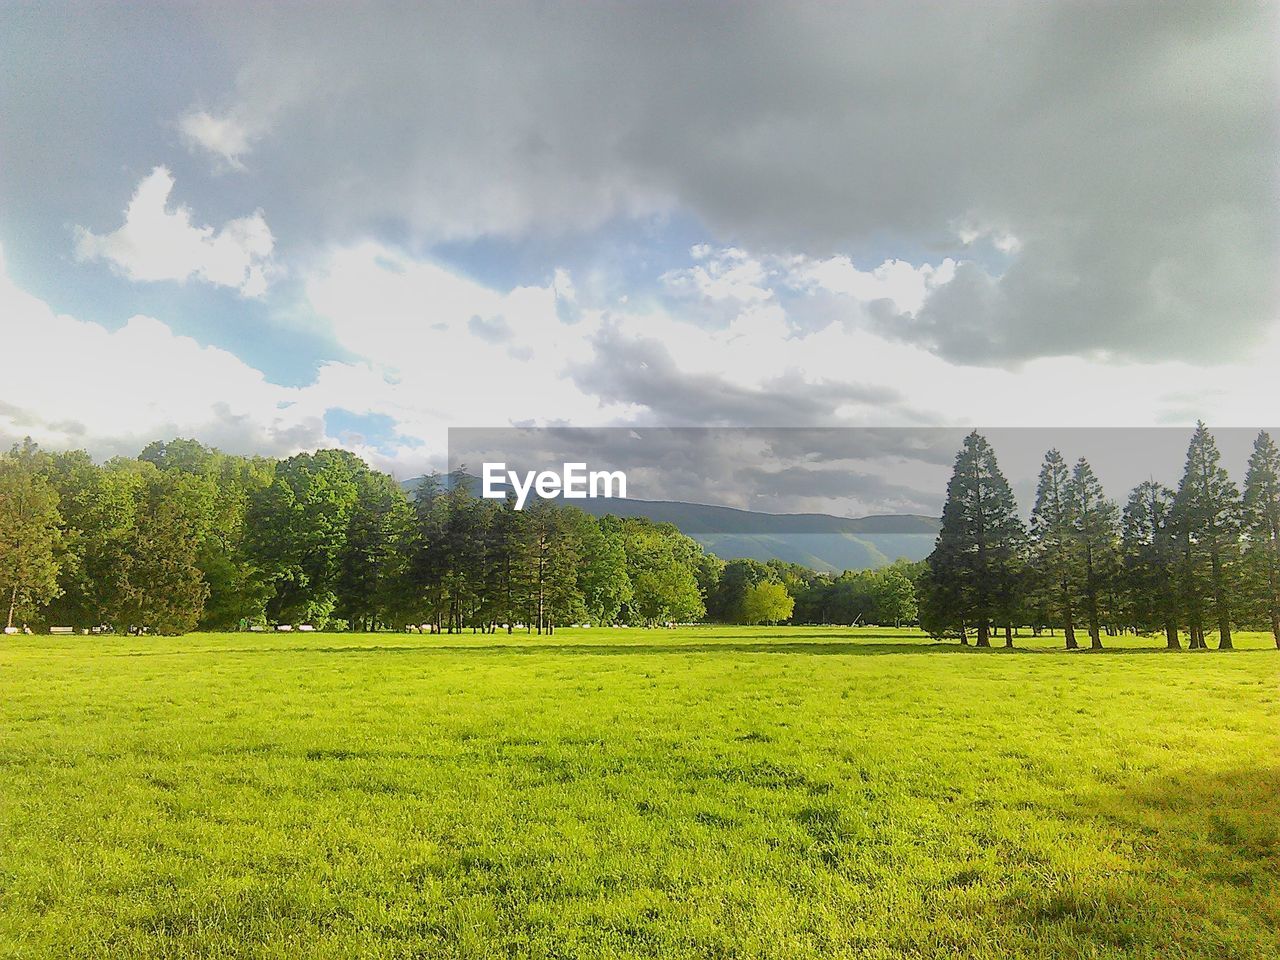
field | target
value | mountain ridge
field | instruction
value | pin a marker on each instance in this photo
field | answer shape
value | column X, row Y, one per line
column 820, row 541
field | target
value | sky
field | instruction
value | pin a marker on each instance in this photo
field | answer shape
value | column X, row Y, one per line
column 282, row 227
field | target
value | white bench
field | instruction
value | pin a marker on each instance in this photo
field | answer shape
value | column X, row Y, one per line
column 62, row 629
column 257, row 628
column 306, row 628
column 284, row 627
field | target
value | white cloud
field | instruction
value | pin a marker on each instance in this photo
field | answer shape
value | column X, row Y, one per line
column 897, row 280
column 455, row 352
column 225, row 137
column 156, row 243
column 728, row 274
column 113, row 391
column 412, row 325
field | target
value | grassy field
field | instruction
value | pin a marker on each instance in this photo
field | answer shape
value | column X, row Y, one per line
column 614, row 793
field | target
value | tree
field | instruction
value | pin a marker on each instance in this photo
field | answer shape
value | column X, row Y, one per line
column 974, row 564
column 662, row 565
column 602, row 571
column 29, row 537
column 767, row 602
column 554, row 560
column 297, row 529
column 726, row 603
column 1052, row 537
column 368, row 568
column 1211, row 511
column 895, row 596
column 1150, row 553
column 1095, row 523
column 1262, row 526
column 163, row 589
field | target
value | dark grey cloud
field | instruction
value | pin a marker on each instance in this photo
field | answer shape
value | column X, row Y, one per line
column 643, row 371
column 1129, row 148
column 850, row 471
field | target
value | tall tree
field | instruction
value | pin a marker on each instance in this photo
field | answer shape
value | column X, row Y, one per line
column 1095, row 522
column 1211, row 507
column 29, row 537
column 602, row 572
column 1052, row 540
column 1150, row 555
column 375, row 533
column 1262, row 525
column 297, row 529
column 163, row 589
column 978, row 547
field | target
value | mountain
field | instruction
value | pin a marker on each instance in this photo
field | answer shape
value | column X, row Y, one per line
column 816, row 540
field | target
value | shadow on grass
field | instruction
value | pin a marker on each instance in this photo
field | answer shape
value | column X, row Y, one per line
column 1236, row 811
column 1207, row 844
column 826, row 645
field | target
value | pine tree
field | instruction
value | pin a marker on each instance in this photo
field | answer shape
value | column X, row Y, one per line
column 1262, row 524
column 1052, row 537
column 975, row 562
column 1150, row 545
column 1095, row 524
column 1211, row 508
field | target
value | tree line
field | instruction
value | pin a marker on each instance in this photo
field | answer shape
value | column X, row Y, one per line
column 1202, row 558
column 187, row 537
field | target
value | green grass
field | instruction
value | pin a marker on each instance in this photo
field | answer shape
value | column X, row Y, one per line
column 605, row 793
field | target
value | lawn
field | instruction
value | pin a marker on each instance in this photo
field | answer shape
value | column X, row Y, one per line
column 710, row 792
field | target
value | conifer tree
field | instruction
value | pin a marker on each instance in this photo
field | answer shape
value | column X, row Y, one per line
column 1211, row 508
column 979, row 545
column 1150, row 552
column 1095, row 523
column 1052, row 537
column 1262, row 525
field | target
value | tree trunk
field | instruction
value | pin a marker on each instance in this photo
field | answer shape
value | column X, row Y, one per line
column 984, row 634
column 1171, row 637
column 1275, row 624
column 1008, row 636
column 13, row 603
column 1069, row 626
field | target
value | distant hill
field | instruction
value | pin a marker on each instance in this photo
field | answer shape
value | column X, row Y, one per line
column 816, row 540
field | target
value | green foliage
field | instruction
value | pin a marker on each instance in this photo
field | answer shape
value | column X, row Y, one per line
column 1209, row 507
column 160, row 582
column 662, row 567
column 977, row 560
column 727, row 604
column 1094, row 546
column 1150, row 550
column 1053, row 525
column 29, row 537
column 767, row 602
column 1262, row 525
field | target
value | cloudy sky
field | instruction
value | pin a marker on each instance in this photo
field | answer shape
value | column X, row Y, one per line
column 281, row 227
